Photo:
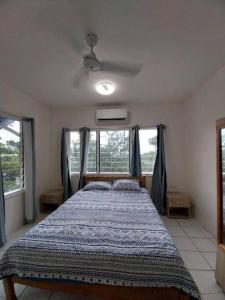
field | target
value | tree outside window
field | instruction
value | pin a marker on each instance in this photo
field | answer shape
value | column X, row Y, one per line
column 109, row 151
column 10, row 150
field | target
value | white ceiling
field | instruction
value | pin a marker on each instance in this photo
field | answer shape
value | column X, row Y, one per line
column 180, row 43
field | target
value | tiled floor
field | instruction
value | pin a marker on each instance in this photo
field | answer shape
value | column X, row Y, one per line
column 196, row 245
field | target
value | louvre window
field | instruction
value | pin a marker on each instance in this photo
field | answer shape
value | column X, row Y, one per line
column 10, row 150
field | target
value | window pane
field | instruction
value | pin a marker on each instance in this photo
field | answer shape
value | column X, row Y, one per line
column 114, row 151
column 91, row 164
column 74, row 151
column 10, row 145
column 148, row 147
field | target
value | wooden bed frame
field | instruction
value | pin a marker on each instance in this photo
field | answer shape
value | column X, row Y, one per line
column 98, row 291
column 87, row 178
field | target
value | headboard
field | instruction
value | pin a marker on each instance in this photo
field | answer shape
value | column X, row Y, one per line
column 87, row 178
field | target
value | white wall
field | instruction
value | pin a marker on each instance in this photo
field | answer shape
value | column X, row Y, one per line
column 202, row 110
column 15, row 102
column 14, row 212
column 172, row 115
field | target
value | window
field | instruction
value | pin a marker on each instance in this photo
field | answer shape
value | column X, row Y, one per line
column 10, row 149
column 92, row 153
column 148, row 148
column 74, row 151
column 114, row 151
column 109, row 151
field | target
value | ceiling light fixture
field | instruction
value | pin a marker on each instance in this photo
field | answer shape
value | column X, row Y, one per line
column 105, row 88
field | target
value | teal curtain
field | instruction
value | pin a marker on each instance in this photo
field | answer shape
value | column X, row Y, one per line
column 2, row 209
column 135, row 157
column 29, row 160
column 159, row 180
column 84, row 145
column 65, row 171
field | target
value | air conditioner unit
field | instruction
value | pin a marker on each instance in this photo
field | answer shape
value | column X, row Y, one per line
column 104, row 115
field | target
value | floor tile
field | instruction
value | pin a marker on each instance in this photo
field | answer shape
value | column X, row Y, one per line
column 213, row 241
column 184, row 243
column 18, row 289
column 67, row 296
column 204, row 244
column 194, row 260
column 169, row 221
column 194, row 231
column 176, row 230
column 35, row 294
column 21, row 231
column 208, row 234
column 206, row 282
column 213, row 297
column 193, row 223
column 187, row 222
column 211, row 258
column 2, row 293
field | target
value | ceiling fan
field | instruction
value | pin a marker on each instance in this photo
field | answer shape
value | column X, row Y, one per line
column 92, row 64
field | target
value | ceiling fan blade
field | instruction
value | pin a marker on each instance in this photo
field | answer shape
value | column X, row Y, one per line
column 63, row 30
column 123, row 69
column 80, row 78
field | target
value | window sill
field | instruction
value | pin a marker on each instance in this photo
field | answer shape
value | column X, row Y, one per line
column 13, row 193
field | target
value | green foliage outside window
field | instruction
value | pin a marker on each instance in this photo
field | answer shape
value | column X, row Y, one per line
column 10, row 159
column 114, row 151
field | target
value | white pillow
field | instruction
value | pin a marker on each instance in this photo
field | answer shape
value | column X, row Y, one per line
column 126, row 184
column 98, row 185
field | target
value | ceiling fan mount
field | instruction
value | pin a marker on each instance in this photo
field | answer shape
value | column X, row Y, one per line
column 92, row 39
column 91, row 63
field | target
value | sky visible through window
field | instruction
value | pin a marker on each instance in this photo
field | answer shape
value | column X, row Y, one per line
column 7, row 135
column 148, row 147
column 144, row 136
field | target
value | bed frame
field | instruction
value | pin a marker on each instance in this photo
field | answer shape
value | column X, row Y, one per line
column 87, row 178
column 98, row 291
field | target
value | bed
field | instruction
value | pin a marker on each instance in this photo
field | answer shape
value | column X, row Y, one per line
column 107, row 244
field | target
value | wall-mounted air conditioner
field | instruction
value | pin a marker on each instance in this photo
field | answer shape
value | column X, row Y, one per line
column 118, row 114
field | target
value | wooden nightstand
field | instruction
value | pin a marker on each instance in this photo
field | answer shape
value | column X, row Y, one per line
column 178, row 205
column 50, row 200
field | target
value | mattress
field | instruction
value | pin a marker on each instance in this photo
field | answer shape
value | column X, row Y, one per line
column 104, row 237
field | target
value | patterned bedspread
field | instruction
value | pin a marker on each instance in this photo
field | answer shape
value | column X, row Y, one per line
column 106, row 237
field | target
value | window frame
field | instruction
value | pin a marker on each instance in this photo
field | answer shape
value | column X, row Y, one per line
column 98, row 130
column 19, row 190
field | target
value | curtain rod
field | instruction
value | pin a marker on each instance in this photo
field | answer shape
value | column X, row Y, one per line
column 117, row 128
